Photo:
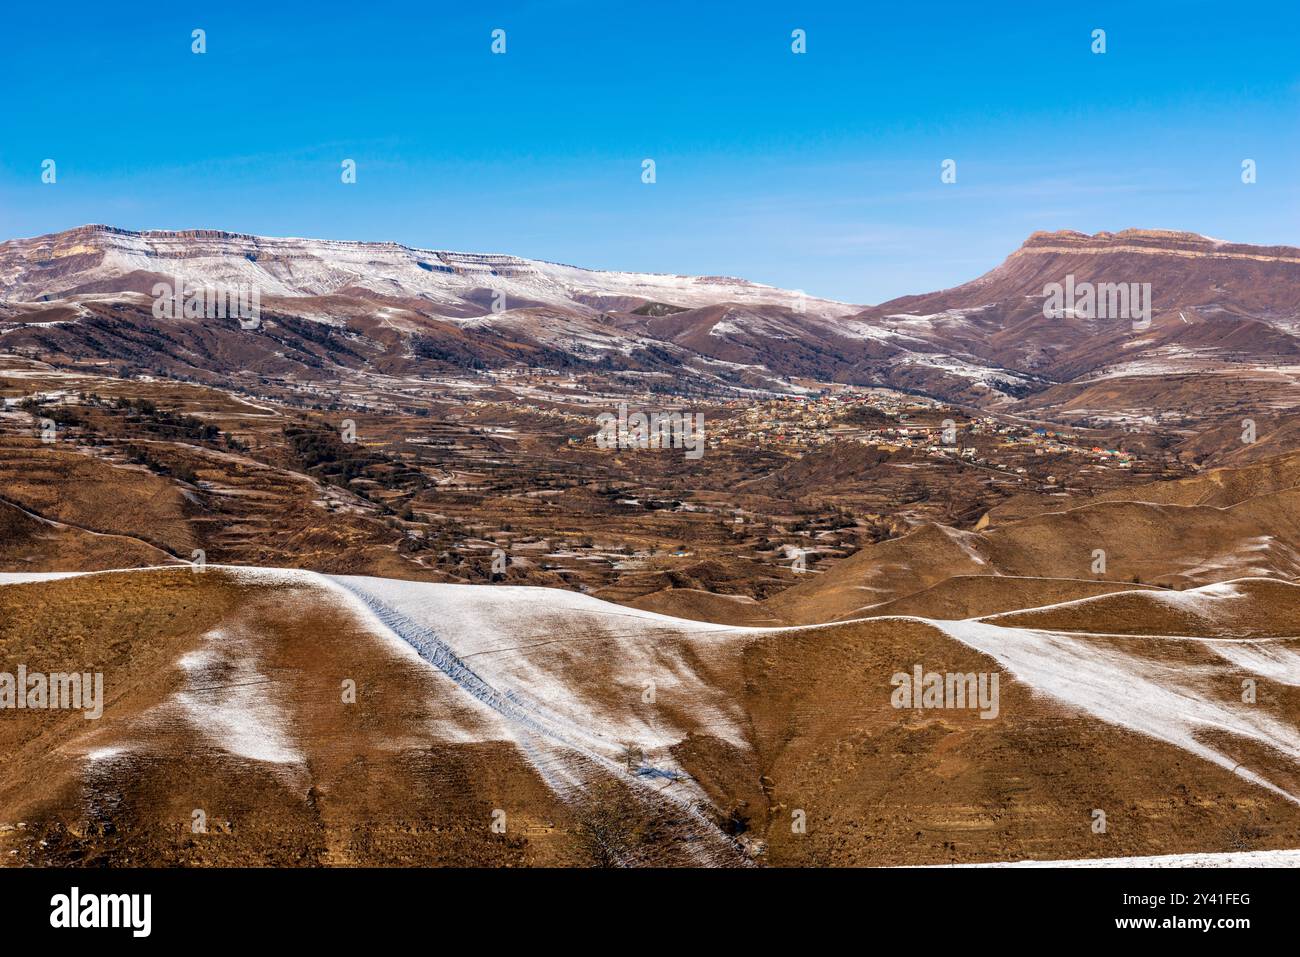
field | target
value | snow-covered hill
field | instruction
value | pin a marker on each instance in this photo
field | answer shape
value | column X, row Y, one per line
column 97, row 256
column 612, row 734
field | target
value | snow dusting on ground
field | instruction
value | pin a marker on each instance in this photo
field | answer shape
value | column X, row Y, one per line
column 1139, row 693
column 563, row 676
column 1231, row 859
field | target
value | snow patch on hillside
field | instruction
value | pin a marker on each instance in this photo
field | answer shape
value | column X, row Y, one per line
column 1133, row 692
column 1281, row 858
column 230, row 700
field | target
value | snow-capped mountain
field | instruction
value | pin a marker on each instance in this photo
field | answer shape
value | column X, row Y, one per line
column 103, row 258
column 1202, row 309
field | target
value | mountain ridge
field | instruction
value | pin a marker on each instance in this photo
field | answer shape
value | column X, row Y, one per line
column 1214, row 308
column 144, row 247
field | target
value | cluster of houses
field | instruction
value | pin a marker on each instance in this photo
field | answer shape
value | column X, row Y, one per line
column 913, row 423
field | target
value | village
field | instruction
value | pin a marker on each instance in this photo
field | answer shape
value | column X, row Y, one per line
column 893, row 420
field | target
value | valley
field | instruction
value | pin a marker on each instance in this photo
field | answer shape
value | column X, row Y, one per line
column 366, row 587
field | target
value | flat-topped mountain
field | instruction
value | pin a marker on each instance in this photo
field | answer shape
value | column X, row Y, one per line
column 106, row 259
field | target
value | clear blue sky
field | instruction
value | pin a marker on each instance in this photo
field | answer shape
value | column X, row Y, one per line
column 818, row 172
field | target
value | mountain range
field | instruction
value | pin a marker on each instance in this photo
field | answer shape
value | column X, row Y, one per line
column 471, row 638
column 1224, row 320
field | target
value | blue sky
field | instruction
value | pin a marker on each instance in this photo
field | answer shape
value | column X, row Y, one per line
column 818, row 171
